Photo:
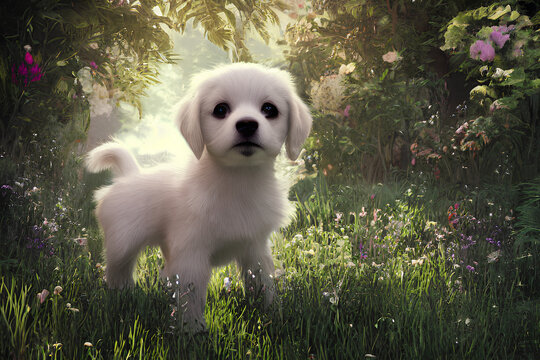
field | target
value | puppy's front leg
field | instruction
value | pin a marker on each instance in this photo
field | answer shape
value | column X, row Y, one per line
column 193, row 275
column 257, row 268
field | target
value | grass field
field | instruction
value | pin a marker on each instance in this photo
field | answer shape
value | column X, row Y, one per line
column 391, row 271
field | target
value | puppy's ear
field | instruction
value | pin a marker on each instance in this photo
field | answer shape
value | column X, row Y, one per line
column 299, row 126
column 188, row 120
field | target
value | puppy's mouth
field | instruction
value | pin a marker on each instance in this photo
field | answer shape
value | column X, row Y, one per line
column 247, row 148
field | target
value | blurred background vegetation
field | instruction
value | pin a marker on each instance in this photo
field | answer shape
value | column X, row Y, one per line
column 426, row 129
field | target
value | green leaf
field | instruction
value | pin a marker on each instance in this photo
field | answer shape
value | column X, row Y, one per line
column 514, row 15
column 516, row 78
column 483, row 91
column 500, row 11
column 454, row 36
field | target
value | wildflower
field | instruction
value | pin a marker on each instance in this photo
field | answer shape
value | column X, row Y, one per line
column 81, row 241
column 470, row 268
column 28, row 58
column 6, row 189
column 57, row 290
column 362, row 253
column 93, row 65
column 494, row 256
column 391, row 56
column 499, row 39
column 227, row 284
column 27, row 72
column 88, row 344
column 346, row 111
column 482, row 50
column 42, row 295
column 346, row 69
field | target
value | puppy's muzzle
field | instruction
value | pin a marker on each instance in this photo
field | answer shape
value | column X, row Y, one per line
column 247, row 128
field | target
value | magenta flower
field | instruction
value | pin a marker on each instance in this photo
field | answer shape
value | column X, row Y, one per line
column 482, row 50
column 28, row 58
column 93, row 65
column 346, row 111
column 499, row 39
column 27, row 72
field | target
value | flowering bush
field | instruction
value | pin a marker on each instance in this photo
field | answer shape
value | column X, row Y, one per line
column 497, row 48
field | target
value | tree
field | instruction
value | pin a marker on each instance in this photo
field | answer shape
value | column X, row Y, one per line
column 55, row 54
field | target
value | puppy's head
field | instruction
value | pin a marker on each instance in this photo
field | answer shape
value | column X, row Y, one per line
column 243, row 114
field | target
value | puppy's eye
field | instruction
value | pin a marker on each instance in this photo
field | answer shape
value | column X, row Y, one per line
column 269, row 111
column 221, row 111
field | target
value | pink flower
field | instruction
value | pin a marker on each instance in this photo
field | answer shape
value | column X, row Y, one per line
column 499, row 39
column 93, row 64
column 503, row 29
column 346, row 111
column 28, row 58
column 43, row 295
column 483, row 50
column 413, row 161
column 391, row 57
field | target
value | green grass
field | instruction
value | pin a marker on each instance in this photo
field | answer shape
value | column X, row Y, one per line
column 358, row 276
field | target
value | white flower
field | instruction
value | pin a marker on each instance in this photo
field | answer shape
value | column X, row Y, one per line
column 346, row 69
column 227, row 283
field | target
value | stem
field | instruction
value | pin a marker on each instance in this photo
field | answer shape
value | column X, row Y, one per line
column 15, row 110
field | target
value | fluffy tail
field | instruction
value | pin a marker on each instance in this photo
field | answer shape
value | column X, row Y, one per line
column 112, row 156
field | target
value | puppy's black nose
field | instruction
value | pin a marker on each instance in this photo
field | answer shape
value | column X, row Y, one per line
column 247, row 128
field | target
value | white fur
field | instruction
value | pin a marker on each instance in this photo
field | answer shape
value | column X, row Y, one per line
column 224, row 206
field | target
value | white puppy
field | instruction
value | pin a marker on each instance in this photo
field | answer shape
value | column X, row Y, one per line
column 224, row 206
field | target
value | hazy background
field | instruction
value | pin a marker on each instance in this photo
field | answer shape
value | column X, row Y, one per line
column 154, row 138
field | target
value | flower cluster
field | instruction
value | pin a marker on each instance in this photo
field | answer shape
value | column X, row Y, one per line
column 484, row 49
column 40, row 241
column 28, row 70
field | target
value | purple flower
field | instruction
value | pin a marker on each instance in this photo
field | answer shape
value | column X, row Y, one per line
column 93, row 65
column 503, row 29
column 6, row 189
column 470, row 268
column 499, row 39
column 483, row 50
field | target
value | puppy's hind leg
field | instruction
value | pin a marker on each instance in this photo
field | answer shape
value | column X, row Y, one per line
column 121, row 258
